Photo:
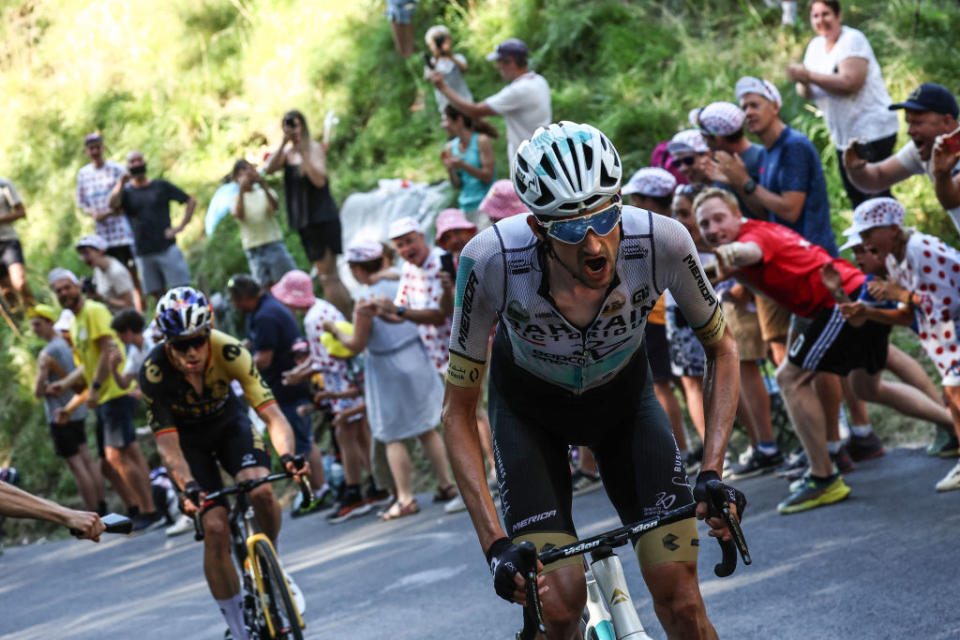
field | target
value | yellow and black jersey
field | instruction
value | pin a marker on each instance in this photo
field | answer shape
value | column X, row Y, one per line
column 173, row 403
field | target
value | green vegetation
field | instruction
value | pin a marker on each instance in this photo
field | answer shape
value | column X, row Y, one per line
column 198, row 83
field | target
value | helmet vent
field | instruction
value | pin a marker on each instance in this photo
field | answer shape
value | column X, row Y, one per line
column 576, row 164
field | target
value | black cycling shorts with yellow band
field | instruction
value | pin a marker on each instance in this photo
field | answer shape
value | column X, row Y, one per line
column 673, row 542
column 712, row 331
column 464, row 372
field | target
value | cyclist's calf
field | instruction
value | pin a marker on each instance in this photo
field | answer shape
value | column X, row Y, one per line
column 217, row 564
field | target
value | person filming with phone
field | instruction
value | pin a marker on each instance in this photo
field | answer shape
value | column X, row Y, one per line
column 934, row 149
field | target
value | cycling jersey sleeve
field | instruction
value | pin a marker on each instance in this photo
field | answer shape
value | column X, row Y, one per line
column 150, row 378
column 238, row 365
column 479, row 297
column 678, row 269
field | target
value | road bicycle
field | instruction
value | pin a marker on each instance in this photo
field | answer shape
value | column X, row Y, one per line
column 610, row 614
column 268, row 608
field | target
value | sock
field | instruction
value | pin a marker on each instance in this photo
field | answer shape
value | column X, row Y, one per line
column 767, row 448
column 322, row 490
column 102, row 508
column 834, row 446
column 133, row 512
column 233, row 614
column 861, row 430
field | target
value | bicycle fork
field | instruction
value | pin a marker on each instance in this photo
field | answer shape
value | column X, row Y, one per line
column 608, row 580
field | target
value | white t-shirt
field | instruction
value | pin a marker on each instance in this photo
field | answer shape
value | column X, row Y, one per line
column 136, row 355
column 862, row 115
column 909, row 157
column 524, row 105
column 112, row 282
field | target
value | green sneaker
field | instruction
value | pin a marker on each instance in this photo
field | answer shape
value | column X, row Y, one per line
column 319, row 503
column 944, row 445
column 815, row 493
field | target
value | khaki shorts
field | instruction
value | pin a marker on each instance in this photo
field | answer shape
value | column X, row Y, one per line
column 745, row 327
column 774, row 320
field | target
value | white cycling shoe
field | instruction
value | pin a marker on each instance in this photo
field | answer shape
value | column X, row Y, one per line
column 298, row 598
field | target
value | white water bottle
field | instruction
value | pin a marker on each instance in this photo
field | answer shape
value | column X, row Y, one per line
column 608, row 573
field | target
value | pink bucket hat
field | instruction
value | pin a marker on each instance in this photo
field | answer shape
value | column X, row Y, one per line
column 450, row 220
column 502, row 201
column 295, row 289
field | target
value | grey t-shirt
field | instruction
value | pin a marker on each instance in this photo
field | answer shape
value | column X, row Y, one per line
column 60, row 351
column 9, row 198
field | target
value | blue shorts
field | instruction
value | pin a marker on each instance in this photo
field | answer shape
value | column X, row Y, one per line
column 269, row 262
column 115, row 423
column 301, row 425
column 401, row 11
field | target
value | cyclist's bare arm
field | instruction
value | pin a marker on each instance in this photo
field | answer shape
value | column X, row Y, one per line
column 281, row 434
column 466, row 458
column 168, row 445
column 721, row 393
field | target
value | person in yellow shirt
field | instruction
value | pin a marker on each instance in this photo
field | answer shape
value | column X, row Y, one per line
column 93, row 341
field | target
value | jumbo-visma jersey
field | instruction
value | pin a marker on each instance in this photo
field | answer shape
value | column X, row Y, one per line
column 172, row 402
column 500, row 277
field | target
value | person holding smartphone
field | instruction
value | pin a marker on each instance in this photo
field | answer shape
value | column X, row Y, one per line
column 841, row 75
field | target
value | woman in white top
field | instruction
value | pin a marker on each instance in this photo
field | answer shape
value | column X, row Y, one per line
column 842, row 76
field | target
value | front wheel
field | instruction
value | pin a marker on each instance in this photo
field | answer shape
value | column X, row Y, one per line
column 277, row 603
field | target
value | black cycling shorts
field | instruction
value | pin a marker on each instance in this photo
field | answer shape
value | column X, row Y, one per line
column 11, row 253
column 124, row 253
column 831, row 344
column 235, row 446
column 636, row 455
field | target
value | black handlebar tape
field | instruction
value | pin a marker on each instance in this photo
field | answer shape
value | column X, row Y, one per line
column 531, row 612
column 729, row 562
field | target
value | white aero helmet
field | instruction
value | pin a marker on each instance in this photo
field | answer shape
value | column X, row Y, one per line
column 183, row 312
column 565, row 169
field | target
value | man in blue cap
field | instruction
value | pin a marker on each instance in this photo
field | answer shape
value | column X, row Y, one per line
column 524, row 103
column 931, row 114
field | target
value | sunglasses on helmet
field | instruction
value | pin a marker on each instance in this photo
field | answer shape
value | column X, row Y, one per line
column 574, row 230
column 185, row 344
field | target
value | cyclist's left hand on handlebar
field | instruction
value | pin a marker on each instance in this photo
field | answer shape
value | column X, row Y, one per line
column 705, row 509
column 295, row 465
column 507, row 567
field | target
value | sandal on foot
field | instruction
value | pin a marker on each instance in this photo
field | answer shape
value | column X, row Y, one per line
column 446, row 494
column 398, row 510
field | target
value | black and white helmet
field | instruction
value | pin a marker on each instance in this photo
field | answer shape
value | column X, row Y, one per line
column 565, row 169
column 183, row 312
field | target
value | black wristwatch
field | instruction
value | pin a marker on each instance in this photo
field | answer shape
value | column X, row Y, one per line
column 749, row 186
column 96, row 385
column 400, row 311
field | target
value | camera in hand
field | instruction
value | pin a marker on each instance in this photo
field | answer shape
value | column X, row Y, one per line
column 865, row 151
column 439, row 40
column 87, row 286
column 446, row 264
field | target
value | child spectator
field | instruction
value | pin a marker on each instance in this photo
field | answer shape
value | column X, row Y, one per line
column 444, row 61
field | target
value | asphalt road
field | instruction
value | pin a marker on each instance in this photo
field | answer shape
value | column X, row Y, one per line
column 883, row 564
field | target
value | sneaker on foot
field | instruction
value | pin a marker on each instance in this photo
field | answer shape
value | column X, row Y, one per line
column 351, row 506
column 757, row 464
column 798, row 460
column 842, row 459
column 455, row 506
column 944, row 445
column 815, row 493
column 584, row 482
column 183, row 524
column 864, row 447
column 950, row 481
column 319, row 503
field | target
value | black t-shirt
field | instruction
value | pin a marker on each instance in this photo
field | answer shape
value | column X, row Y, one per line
column 272, row 327
column 148, row 209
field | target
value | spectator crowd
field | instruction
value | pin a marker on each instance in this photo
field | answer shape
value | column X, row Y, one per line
column 362, row 375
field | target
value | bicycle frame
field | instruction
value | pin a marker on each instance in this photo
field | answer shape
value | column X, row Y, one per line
column 244, row 536
column 610, row 577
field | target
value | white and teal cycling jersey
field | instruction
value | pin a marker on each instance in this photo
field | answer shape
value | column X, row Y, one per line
column 500, row 277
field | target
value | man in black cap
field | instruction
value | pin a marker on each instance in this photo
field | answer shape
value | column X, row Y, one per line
column 524, row 103
column 931, row 115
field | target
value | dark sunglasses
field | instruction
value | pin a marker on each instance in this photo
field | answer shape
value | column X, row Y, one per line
column 184, row 345
column 687, row 160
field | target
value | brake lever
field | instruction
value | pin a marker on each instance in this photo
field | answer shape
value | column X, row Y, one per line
column 738, row 542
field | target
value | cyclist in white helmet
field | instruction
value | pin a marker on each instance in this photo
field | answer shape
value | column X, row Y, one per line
column 570, row 287
column 198, row 422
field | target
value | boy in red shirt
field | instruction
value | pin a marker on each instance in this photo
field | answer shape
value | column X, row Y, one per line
column 785, row 267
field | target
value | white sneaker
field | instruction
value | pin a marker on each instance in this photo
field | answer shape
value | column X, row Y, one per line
column 183, row 524
column 950, row 481
column 298, row 598
column 455, row 505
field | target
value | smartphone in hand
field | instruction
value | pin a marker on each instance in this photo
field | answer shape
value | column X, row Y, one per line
column 952, row 142
column 865, row 151
column 446, row 264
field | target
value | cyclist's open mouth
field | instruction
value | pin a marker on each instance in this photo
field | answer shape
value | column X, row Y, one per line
column 595, row 266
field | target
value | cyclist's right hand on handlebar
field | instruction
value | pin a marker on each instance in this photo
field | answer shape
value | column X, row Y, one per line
column 192, row 498
column 295, row 465
column 507, row 565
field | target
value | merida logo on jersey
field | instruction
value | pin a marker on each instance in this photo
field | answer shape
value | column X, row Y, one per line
column 465, row 309
column 697, row 273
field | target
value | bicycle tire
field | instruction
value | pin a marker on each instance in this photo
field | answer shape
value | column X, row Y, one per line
column 279, row 604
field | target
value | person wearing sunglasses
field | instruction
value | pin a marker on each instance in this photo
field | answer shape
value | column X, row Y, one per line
column 570, row 286
column 198, row 422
